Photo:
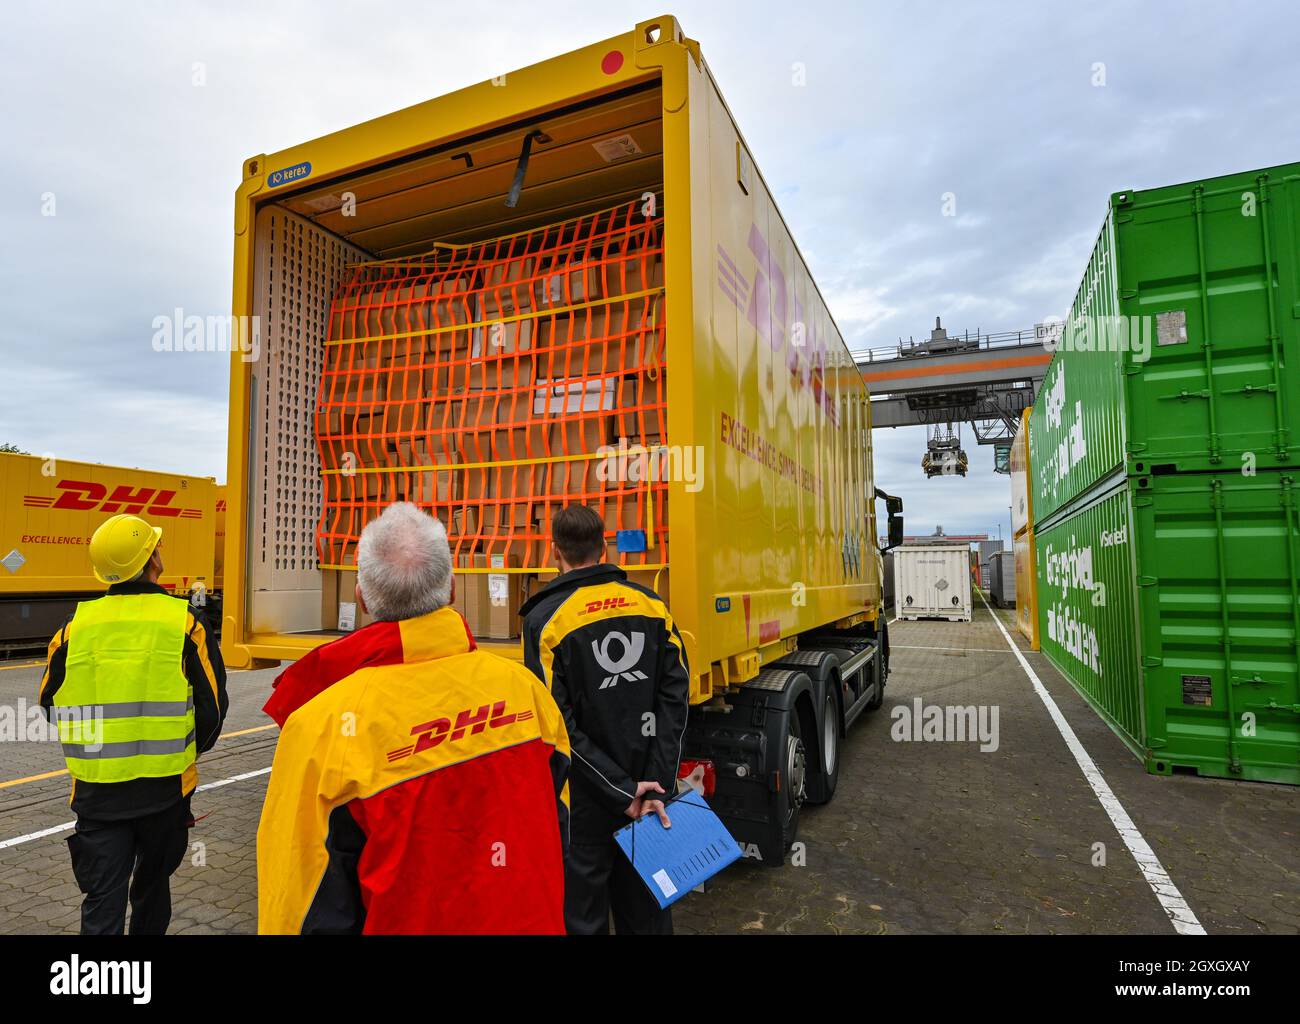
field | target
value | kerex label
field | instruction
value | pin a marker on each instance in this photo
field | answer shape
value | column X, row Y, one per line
column 285, row 175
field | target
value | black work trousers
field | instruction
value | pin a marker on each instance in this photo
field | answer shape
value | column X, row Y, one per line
column 598, row 878
column 134, row 859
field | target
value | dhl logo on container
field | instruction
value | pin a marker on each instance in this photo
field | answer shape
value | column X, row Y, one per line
column 86, row 496
column 768, row 302
column 471, row 721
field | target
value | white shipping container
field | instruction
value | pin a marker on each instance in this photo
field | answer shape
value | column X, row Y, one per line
column 932, row 581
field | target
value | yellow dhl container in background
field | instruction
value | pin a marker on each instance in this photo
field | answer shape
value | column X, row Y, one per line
column 1022, row 508
column 773, row 547
column 1026, row 587
column 219, row 547
column 50, row 508
column 1022, row 525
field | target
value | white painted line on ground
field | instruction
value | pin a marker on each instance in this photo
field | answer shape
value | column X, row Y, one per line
column 5, row 844
column 1180, row 914
column 233, row 778
column 18, row 840
column 963, row 650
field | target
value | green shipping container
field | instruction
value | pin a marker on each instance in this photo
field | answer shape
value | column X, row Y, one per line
column 1182, row 349
column 1172, row 603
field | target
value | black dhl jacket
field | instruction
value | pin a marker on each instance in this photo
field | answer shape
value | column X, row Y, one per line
column 609, row 653
column 117, row 801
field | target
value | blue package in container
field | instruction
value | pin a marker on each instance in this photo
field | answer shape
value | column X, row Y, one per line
column 631, row 540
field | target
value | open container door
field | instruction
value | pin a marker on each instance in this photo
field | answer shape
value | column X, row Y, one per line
column 395, row 189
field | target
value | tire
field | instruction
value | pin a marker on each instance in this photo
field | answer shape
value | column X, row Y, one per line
column 878, row 680
column 794, row 781
column 822, row 788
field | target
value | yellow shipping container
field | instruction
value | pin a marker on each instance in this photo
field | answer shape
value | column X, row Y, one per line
column 1022, row 524
column 219, row 547
column 775, row 536
column 772, row 568
column 1026, row 587
column 48, row 510
column 1022, row 509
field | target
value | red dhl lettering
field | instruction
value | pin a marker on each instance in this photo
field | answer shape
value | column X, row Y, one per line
column 606, row 605
column 87, row 496
column 470, row 721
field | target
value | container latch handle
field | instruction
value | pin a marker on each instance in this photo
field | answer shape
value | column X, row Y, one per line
column 516, row 186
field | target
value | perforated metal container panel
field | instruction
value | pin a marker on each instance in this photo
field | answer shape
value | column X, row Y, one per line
column 299, row 266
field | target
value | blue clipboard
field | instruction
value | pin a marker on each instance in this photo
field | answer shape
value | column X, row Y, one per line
column 673, row 861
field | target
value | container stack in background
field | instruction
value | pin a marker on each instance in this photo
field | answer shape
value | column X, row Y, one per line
column 1002, row 579
column 1025, row 585
column 487, row 383
column 1164, row 452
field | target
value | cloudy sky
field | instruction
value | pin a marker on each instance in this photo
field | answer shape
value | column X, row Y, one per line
column 1029, row 114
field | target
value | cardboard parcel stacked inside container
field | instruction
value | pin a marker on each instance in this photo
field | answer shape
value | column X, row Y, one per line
column 1165, row 453
column 492, row 384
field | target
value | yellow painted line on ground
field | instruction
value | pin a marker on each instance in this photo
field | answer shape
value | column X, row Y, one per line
column 34, row 778
column 245, row 732
column 64, row 771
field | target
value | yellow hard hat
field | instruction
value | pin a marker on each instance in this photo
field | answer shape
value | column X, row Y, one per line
column 121, row 546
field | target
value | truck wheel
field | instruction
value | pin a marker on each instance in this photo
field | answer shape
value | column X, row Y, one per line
column 821, row 786
column 794, row 772
column 878, row 681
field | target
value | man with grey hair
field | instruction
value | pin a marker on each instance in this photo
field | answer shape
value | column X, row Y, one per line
column 444, row 765
column 403, row 565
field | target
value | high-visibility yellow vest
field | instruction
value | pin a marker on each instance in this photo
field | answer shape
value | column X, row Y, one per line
column 125, row 709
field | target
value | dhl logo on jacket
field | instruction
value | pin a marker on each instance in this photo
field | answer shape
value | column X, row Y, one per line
column 419, row 786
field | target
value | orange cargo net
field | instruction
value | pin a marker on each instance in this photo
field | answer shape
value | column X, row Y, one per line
column 494, row 383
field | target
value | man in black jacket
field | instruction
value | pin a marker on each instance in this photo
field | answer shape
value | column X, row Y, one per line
column 136, row 681
column 609, row 653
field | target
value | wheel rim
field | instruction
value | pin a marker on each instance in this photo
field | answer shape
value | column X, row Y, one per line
column 830, row 735
column 796, row 769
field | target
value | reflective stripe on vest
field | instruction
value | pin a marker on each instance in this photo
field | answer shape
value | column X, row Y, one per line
column 125, row 709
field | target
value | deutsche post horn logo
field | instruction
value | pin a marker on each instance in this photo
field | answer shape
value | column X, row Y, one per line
column 633, row 647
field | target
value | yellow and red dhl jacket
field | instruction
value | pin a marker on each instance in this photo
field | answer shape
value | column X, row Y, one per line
column 423, row 790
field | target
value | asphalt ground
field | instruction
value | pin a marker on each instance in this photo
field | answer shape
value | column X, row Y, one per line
column 923, row 835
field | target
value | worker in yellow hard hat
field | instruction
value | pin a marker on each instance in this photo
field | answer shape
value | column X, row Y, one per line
column 137, row 687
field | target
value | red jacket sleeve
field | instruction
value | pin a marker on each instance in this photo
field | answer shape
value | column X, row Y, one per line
column 379, row 643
